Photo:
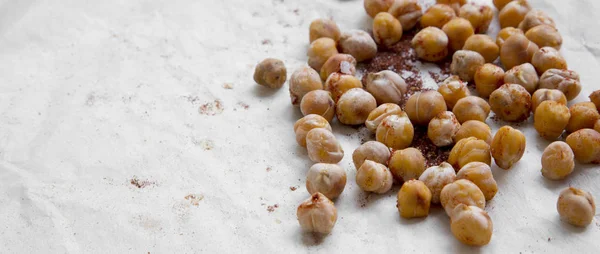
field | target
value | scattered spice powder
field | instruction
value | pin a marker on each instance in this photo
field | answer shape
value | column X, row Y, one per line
column 433, row 155
column 293, row 188
column 135, row 181
column 272, row 208
column 211, row 108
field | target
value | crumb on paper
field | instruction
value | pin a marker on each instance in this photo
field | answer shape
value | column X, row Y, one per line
column 227, row 85
column 192, row 99
column 269, row 169
column 211, row 108
column 272, row 208
column 205, row 144
column 293, row 188
column 243, row 105
column 135, row 181
column 194, row 198
column 266, row 42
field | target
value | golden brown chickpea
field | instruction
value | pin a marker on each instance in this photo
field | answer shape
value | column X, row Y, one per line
column 481, row 175
column 373, row 151
column 395, row 131
column 328, row 179
column 501, row 3
column 303, row 81
column 597, row 126
column 508, row 147
column 407, row 164
column 471, row 225
column 476, row 129
column 431, row 44
column 461, row 191
column 484, row 45
column 414, row 199
column 354, row 106
column 408, row 12
column 318, row 102
column 453, row 89
column 322, row 146
column 442, row 129
column 480, row 16
column 488, row 78
column 511, row 102
column 307, row 123
column 319, row 51
column 585, row 144
column 458, row 31
column 523, row 75
column 517, row 50
column 377, row 115
column 548, row 58
column 465, row 63
column 583, row 115
column 317, row 214
column 374, row 177
column 469, row 150
column 551, row 119
column 455, row 4
column 386, row 86
column 374, row 7
column 544, row 94
column 327, row 28
column 359, row 44
column 387, row 30
column 535, row 18
column 342, row 63
column 421, row 107
column 558, row 161
column 436, row 178
column 337, row 84
column 505, row 33
column 270, row 73
column 566, row 81
column 545, row 36
column 576, row 206
column 595, row 98
column 437, row 15
column 513, row 13
column 471, row 108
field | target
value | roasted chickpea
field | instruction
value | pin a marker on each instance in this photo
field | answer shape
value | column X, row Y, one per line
column 517, row 50
column 338, row 84
column 407, row 164
column 327, row 28
column 583, row 116
column 471, row 225
column 473, row 128
column 421, row 107
column 328, row 179
column 471, row 108
column 481, row 175
column 565, row 81
column 359, row 44
column 431, row 44
column 453, row 89
column 386, row 86
column 322, row 146
column 374, row 7
column 488, row 78
column 387, row 30
column 469, row 150
column 551, row 119
column 442, row 129
column 461, row 191
column 378, row 114
column 511, row 102
column 408, row 12
column 523, row 75
column 508, row 147
column 318, row 102
column 544, row 94
column 303, row 81
column 513, row 13
column 465, row 63
column 548, row 58
column 317, row 214
column 597, row 126
column 585, row 144
column 371, row 150
column 595, row 98
column 505, row 33
column 458, row 31
column 558, row 161
column 545, row 36
column 535, row 18
column 501, row 3
column 270, row 73
column 319, row 51
column 455, row 4
column 374, row 177
column 395, row 131
column 307, row 123
column 436, row 178
column 342, row 63
column 480, row 16
column 484, row 45
column 354, row 106
column 437, row 15
column 414, row 199
column 576, row 207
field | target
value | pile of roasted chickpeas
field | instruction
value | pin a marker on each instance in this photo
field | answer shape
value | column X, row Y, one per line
column 531, row 77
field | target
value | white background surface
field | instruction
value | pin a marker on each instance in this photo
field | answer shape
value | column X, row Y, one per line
column 94, row 94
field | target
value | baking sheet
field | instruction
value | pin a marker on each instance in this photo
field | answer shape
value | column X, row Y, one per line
column 135, row 127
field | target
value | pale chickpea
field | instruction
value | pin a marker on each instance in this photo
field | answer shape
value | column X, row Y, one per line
column 461, row 191
column 511, row 102
column 270, row 73
column 374, row 7
column 508, row 147
column 548, row 58
column 338, row 84
column 481, row 175
column 488, row 78
column 505, row 33
column 465, row 63
column 371, row 150
column 386, row 86
column 322, row 146
column 303, row 81
column 318, row 102
column 585, row 144
column 471, row 108
column 545, row 36
column 342, row 63
column 374, row 177
column 408, row 12
column 544, row 94
column 307, row 123
column 471, row 225
column 476, row 129
column 319, row 51
column 437, row 15
column 413, row 199
column 484, row 45
column 524, row 75
column 480, row 16
column 535, row 18
column 595, row 98
column 395, row 131
column 328, row 179
column 566, row 81
column 378, row 114
column 354, row 106
column 431, row 44
column 576, row 206
column 327, row 28
column 513, row 13
column 517, row 50
column 469, row 150
column 458, row 31
column 551, row 119
column 317, row 214
column 387, row 30
column 558, row 161
column 453, row 89
column 359, row 44
column 407, row 164
column 442, row 129
column 583, row 116
column 436, row 178
column 421, row 107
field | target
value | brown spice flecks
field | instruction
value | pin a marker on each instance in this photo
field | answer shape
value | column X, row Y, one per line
column 293, row 188
column 243, row 105
column 194, row 199
column 433, row 155
column 265, row 42
column 141, row 183
column 272, row 208
column 211, row 108
column 269, row 169
column 296, row 11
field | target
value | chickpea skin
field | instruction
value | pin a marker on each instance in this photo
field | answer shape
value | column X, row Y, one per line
column 480, row 16
column 508, row 147
column 545, row 36
column 511, row 102
column 408, row 12
column 558, row 161
column 317, row 214
column 551, row 119
column 303, row 81
column 414, row 199
column 484, row 45
column 585, row 144
column 544, row 94
column 407, row 164
column 354, row 106
column 455, row 4
column 322, row 146
column 431, row 44
column 307, row 123
column 270, row 73
column 387, row 30
column 505, row 33
column 436, row 178
column 583, row 115
column 437, row 15
column 327, row 179
column 458, row 31
column 461, row 191
column 319, row 51
column 471, row 108
column 548, row 58
column 471, row 225
column 374, row 7
column 566, row 81
column 575, row 206
column 488, row 78
column 443, row 128
column 359, row 44
column 469, row 150
column 327, row 28
column 513, row 13
column 318, row 102
column 501, row 3
column 517, row 50
column 481, row 175
column 386, row 86
column 374, row 177
column 476, row 129
column 342, row 63
column 395, row 131
column 523, row 75
column 338, row 84
column 453, row 89
column 535, row 18
column 373, row 151
column 465, row 63
column 378, row 114
column 421, row 107
column 595, row 98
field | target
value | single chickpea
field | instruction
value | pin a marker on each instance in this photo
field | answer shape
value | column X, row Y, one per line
column 319, row 51
column 421, row 107
column 461, row 191
column 517, row 50
column 338, row 84
column 471, row 225
column 576, row 206
column 395, row 131
column 408, row 12
column 443, row 128
column 476, row 129
column 558, row 161
column 436, row 178
column 597, row 126
column 387, row 30
column 455, row 4
column 458, row 31
column 471, row 108
column 359, row 44
column 551, row 119
column 317, row 214
column 501, row 3
column 373, row 151
column 386, row 86
column 307, row 123
column 484, row 45
column 583, row 116
column 414, row 199
column 544, row 94
column 535, row 18
column 318, row 102
column 595, row 98
column 303, row 81
column 545, row 36
column 407, row 164
column 431, row 44
column 465, row 63
column 327, row 28
column 511, row 102
column 354, row 106
column 469, row 150
column 378, row 114
column 481, row 175
column 585, row 144
column 508, row 147
column 374, row 7
column 566, row 81
column 513, row 13
column 437, row 15
column 488, row 78
column 270, row 73
column 322, row 146
column 453, row 89
column 327, row 179
column 548, row 58
column 374, row 177
column 342, row 63
column 524, row 75
column 480, row 16
column 505, row 33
